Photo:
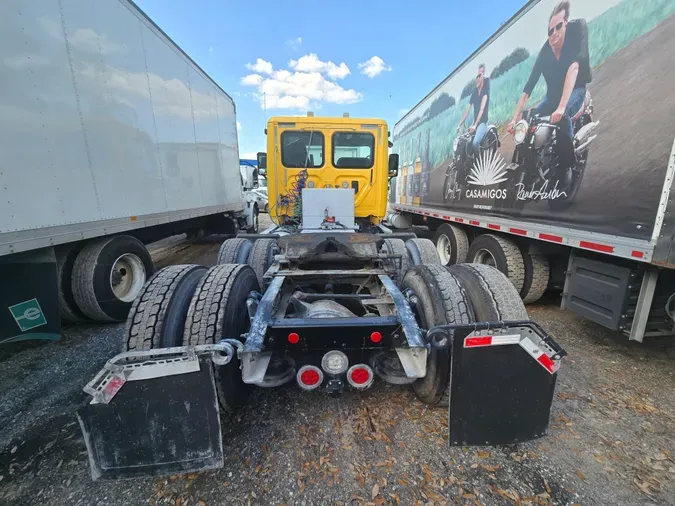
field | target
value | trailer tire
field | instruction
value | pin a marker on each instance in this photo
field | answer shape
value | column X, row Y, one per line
column 500, row 252
column 65, row 260
column 441, row 300
column 234, row 251
column 491, row 293
column 157, row 316
column 255, row 216
column 397, row 247
column 94, row 271
column 422, row 252
column 261, row 257
column 218, row 310
column 452, row 244
column 537, row 274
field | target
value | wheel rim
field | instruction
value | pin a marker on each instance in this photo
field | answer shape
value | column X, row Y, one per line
column 444, row 248
column 485, row 257
column 127, row 277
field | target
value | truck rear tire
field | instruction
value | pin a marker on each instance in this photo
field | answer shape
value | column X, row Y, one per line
column 65, row 260
column 452, row 244
column 422, row 252
column 537, row 274
column 441, row 299
column 261, row 257
column 157, row 316
column 108, row 274
column 491, row 293
column 218, row 310
column 397, row 247
column 234, row 251
column 499, row 252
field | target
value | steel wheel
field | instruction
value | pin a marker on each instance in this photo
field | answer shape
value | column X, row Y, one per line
column 485, row 257
column 127, row 277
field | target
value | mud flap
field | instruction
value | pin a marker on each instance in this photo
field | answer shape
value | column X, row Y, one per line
column 501, row 385
column 156, row 426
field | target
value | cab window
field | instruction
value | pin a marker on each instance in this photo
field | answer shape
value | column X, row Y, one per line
column 353, row 150
column 302, row 149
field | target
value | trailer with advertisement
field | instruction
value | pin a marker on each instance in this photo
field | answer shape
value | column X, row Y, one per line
column 111, row 138
column 549, row 153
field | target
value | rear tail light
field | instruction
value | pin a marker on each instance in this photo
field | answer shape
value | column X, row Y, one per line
column 309, row 377
column 376, row 337
column 293, row 338
column 360, row 376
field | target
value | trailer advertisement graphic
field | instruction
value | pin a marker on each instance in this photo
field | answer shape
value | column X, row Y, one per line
column 563, row 117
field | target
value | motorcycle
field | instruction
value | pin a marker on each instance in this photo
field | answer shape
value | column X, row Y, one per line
column 547, row 164
column 459, row 170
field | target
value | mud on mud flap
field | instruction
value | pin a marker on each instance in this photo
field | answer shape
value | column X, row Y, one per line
column 502, row 382
column 154, row 423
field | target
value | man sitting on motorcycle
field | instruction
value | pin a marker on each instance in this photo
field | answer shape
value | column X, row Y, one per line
column 564, row 63
column 480, row 100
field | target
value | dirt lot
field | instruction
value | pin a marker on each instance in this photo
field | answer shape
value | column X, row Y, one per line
column 612, row 438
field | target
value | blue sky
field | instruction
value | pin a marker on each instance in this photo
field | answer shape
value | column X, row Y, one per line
column 371, row 59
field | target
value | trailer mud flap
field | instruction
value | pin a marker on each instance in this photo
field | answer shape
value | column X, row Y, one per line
column 156, row 426
column 501, row 385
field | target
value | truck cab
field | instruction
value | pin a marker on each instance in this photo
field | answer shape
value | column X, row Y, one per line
column 326, row 152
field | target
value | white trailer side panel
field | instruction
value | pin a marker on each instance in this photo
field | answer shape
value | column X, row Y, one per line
column 103, row 118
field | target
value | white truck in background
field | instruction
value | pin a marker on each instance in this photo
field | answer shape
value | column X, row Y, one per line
column 111, row 138
column 591, row 214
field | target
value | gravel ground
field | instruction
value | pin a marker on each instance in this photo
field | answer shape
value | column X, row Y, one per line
column 611, row 440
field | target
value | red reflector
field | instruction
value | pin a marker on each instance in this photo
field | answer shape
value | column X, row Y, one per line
column 637, row 254
column 597, row 247
column 552, row 238
column 546, row 361
column 518, row 231
column 494, row 227
column 376, row 337
column 446, row 217
column 293, row 338
column 436, row 215
column 459, row 220
column 309, row 377
column 477, row 341
column 360, row 376
column 473, row 222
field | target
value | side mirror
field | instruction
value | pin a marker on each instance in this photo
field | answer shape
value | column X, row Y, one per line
column 262, row 161
column 393, row 165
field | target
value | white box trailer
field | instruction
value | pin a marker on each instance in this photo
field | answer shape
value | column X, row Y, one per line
column 111, row 137
column 586, row 206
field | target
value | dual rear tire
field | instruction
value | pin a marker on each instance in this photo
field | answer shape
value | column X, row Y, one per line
column 461, row 294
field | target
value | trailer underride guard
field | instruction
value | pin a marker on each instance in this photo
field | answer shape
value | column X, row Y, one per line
column 340, row 310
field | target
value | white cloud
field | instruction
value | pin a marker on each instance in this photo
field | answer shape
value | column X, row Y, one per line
column 260, row 66
column 25, row 61
column 300, row 90
column 210, row 49
column 294, row 43
column 248, row 156
column 239, row 129
column 312, row 63
column 251, row 80
column 374, row 67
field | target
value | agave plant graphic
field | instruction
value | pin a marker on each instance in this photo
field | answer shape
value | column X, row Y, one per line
column 488, row 170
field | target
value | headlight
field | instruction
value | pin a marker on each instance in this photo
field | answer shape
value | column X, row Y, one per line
column 335, row 362
column 455, row 144
column 520, row 132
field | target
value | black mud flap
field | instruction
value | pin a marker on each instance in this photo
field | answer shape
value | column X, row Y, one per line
column 501, row 384
column 155, row 427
